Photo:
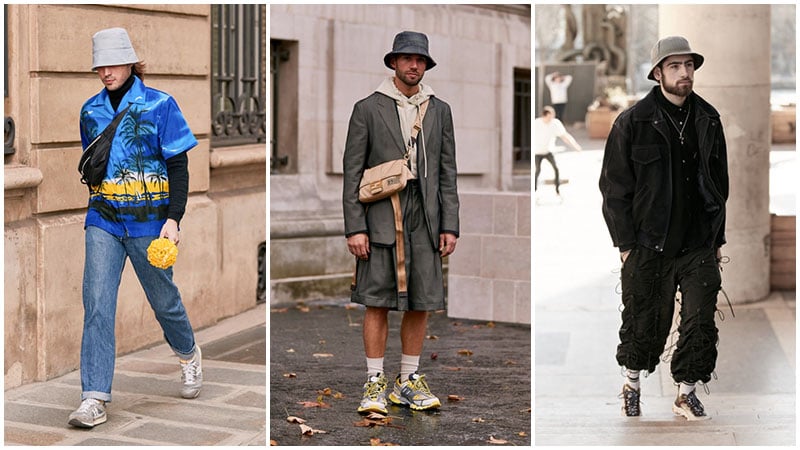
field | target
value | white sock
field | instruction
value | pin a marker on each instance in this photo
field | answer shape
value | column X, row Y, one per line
column 686, row 388
column 408, row 365
column 632, row 378
column 374, row 366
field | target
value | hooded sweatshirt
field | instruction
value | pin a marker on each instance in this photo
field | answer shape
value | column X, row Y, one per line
column 407, row 108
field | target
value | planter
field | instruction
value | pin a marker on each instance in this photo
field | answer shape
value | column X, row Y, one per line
column 599, row 122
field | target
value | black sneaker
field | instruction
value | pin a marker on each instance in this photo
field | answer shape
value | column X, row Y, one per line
column 630, row 401
column 689, row 406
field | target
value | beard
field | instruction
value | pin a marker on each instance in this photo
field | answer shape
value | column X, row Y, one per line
column 682, row 90
column 407, row 80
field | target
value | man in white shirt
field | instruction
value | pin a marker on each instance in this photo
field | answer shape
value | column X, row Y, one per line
column 558, row 83
column 545, row 131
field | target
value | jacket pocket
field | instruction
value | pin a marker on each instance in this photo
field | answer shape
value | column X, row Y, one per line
column 645, row 154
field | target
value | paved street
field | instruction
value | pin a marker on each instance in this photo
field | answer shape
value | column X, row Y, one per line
column 147, row 408
column 576, row 271
column 480, row 371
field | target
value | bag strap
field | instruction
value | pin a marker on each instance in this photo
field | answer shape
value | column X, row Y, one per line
column 400, row 254
column 415, row 129
column 112, row 127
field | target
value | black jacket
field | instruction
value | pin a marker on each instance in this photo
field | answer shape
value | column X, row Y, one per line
column 636, row 179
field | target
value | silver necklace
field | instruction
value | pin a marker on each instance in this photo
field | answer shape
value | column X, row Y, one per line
column 679, row 130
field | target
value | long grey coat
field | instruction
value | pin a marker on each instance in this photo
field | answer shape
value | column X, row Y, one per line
column 374, row 137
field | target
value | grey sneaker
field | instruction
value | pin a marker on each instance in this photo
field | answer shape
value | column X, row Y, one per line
column 414, row 393
column 374, row 398
column 192, row 375
column 91, row 412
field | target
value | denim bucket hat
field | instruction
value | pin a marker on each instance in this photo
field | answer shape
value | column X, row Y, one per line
column 670, row 46
column 410, row 43
column 112, row 47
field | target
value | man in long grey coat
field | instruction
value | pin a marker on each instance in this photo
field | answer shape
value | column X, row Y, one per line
column 380, row 131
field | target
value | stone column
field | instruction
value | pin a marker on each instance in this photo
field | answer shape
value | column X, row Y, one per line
column 735, row 78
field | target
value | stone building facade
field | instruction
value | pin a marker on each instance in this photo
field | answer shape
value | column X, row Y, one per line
column 48, row 77
column 327, row 57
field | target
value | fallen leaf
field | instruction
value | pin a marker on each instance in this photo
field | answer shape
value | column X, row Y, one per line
column 456, row 324
column 308, row 431
column 291, row 350
column 454, row 398
column 355, row 324
column 522, row 434
column 303, row 308
column 322, row 342
column 492, row 440
column 279, row 310
column 434, row 355
column 294, row 419
column 338, row 395
column 322, row 355
column 452, row 369
column 511, row 362
column 432, row 337
column 326, row 391
column 478, row 420
column 273, row 442
column 465, row 352
column 377, row 442
column 526, row 410
column 290, row 375
column 314, row 404
column 490, row 325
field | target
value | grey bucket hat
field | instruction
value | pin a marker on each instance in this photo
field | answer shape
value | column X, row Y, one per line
column 670, row 46
column 112, row 47
column 410, row 43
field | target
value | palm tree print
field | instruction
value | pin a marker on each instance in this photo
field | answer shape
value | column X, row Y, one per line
column 138, row 134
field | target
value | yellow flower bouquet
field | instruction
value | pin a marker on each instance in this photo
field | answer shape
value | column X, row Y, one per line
column 162, row 253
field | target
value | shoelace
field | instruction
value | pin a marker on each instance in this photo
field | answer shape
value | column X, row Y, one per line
column 89, row 405
column 374, row 388
column 631, row 402
column 189, row 371
column 421, row 385
column 695, row 405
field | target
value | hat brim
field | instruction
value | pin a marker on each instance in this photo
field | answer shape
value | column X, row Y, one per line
column 697, row 57
column 429, row 64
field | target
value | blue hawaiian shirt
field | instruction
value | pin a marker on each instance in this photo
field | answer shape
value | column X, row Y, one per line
column 133, row 199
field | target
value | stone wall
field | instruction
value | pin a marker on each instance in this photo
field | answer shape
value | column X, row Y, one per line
column 490, row 271
column 339, row 59
column 49, row 77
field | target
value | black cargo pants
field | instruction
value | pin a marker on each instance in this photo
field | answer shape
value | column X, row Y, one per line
column 649, row 283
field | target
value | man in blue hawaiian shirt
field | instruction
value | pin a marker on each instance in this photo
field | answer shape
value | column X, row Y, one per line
column 142, row 197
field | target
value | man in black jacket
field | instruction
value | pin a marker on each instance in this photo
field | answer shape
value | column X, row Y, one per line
column 664, row 183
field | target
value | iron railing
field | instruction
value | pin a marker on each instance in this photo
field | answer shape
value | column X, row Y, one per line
column 238, row 83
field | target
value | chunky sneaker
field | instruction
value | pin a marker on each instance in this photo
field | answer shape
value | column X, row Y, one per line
column 192, row 375
column 414, row 393
column 91, row 412
column 630, row 401
column 374, row 398
column 689, row 406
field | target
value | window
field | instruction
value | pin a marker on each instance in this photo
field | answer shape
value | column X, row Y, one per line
column 283, row 71
column 238, row 74
column 9, row 130
column 522, row 120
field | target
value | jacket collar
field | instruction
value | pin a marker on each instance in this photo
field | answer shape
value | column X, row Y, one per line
column 647, row 109
column 136, row 94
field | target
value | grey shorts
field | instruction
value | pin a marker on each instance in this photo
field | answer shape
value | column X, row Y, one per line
column 376, row 278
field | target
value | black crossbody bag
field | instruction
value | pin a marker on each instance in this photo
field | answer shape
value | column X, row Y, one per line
column 94, row 159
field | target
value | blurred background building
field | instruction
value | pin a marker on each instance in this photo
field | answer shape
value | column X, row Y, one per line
column 323, row 59
column 212, row 59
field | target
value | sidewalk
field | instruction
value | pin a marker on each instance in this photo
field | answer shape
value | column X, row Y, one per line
column 576, row 271
column 147, row 408
column 317, row 356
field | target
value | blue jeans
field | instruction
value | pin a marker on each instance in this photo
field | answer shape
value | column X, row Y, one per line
column 105, row 259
